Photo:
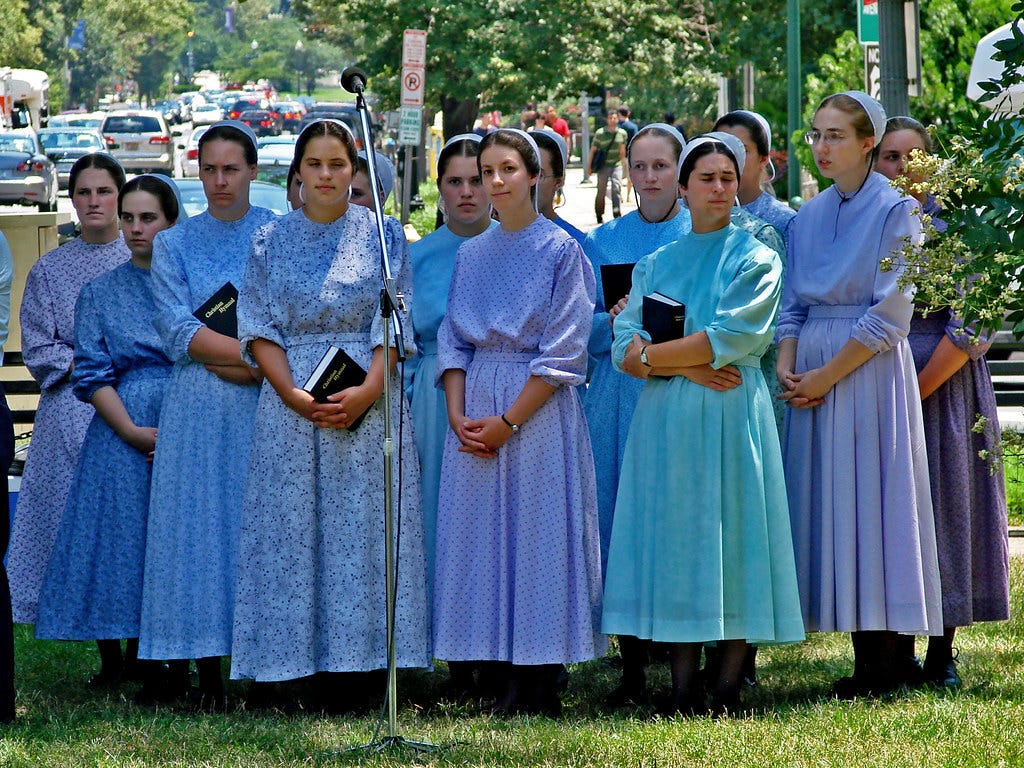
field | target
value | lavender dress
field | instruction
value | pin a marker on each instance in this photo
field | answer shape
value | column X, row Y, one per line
column 856, row 466
column 518, row 574
column 47, row 338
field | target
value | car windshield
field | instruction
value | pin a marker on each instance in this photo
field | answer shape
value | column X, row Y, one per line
column 132, row 124
column 70, row 140
column 263, row 195
column 10, row 143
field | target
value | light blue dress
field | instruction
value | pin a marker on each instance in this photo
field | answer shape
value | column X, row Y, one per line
column 518, row 575
column 611, row 396
column 47, row 345
column 701, row 547
column 202, row 453
column 856, row 466
column 433, row 259
column 92, row 589
column 311, row 576
column 772, row 211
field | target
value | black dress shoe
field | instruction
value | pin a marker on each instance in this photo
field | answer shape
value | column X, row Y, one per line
column 943, row 677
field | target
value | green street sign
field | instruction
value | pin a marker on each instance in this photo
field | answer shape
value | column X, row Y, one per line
column 867, row 22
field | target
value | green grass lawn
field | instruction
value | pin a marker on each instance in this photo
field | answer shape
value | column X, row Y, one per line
column 61, row 723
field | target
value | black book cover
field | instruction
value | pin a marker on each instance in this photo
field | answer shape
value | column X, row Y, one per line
column 335, row 371
column 220, row 312
column 663, row 318
column 616, row 281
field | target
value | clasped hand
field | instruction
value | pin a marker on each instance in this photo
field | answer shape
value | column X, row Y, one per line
column 481, row 437
column 340, row 410
column 804, row 390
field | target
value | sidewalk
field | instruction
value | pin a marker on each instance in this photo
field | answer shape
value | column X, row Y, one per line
column 578, row 208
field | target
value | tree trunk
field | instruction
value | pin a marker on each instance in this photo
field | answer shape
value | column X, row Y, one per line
column 458, row 115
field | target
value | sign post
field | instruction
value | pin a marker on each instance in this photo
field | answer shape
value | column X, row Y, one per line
column 410, row 122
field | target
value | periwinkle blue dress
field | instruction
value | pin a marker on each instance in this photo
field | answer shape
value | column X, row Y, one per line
column 578, row 235
column 772, row 211
column 433, row 259
column 311, row 575
column 856, row 466
column 611, row 396
column 92, row 589
column 518, row 574
column 47, row 341
column 701, row 546
column 202, row 453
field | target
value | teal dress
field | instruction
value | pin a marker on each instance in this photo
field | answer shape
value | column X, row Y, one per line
column 701, row 547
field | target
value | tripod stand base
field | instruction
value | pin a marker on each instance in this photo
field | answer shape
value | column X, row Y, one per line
column 389, row 743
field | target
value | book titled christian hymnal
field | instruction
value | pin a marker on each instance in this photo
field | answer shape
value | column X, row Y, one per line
column 663, row 317
column 616, row 281
column 335, row 371
column 220, row 312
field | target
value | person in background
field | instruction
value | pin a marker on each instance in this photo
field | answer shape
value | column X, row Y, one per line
column 311, row 574
column 626, row 122
column 553, row 157
column 756, row 135
column 556, row 123
column 92, row 588
column 47, row 338
column 360, row 192
column 7, row 710
column 968, row 498
column 610, row 144
column 206, row 422
column 691, row 560
column 293, row 188
column 854, row 443
column 518, row 574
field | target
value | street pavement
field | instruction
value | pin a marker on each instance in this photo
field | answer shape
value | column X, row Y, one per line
column 578, row 208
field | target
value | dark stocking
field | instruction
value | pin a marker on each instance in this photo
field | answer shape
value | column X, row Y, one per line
column 111, row 661
column 725, row 695
column 687, row 694
column 940, row 649
column 633, row 686
column 211, row 683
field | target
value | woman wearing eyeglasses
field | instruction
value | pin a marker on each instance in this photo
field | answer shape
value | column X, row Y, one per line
column 853, row 444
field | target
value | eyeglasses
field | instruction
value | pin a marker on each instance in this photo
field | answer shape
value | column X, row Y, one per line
column 829, row 137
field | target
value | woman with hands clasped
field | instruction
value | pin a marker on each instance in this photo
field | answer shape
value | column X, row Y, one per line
column 311, row 578
column 92, row 589
column 701, row 548
column 518, row 575
column 854, row 444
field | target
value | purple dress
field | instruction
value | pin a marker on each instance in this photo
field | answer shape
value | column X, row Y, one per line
column 518, row 574
column 856, row 466
column 47, row 340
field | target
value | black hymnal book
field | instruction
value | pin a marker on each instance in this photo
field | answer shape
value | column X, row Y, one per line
column 220, row 312
column 616, row 280
column 663, row 317
column 335, row 371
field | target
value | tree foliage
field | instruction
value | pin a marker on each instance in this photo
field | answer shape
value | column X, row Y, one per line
column 21, row 38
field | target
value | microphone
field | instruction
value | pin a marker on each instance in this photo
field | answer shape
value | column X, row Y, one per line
column 353, row 80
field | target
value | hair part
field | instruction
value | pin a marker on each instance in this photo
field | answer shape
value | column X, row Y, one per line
column 462, row 148
column 229, row 133
column 660, row 133
column 862, row 126
column 703, row 150
column 904, row 123
column 324, row 128
column 101, row 161
column 160, row 190
column 744, row 119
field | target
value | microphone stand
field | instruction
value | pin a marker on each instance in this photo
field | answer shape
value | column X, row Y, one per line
column 355, row 81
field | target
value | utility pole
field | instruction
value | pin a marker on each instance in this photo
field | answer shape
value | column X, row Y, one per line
column 794, row 77
column 892, row 48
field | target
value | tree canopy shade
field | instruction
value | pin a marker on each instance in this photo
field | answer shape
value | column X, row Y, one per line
column 506, row 52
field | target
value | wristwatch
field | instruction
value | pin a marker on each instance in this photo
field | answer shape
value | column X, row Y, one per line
column 643, row 355
column 510, row 425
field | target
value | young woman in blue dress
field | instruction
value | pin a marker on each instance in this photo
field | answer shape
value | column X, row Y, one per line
column 92, row 588
column 854, row 443
column 701, row 549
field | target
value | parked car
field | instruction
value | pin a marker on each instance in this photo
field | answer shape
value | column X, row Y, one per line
column 77, row 120
column 65, row 145
column 206, row 114
column 27, row 175
column 345, row 112
column 260, row 193
column 262, row 121
column 140, row 141
column 190, row 156
column 273, row 162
